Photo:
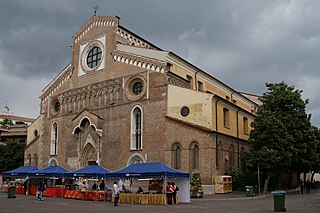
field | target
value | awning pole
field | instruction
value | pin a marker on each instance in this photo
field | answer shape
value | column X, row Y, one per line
column 104, row 190
column 164, row 189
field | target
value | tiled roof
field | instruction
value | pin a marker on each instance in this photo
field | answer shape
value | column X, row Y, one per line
column 16, row 118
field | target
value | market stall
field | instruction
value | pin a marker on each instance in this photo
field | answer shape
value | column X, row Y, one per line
column 21, row 172
column 54, row 176
column 93, row 174
column 157, row 174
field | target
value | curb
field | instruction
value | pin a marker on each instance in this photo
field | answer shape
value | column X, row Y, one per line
column 233, row 198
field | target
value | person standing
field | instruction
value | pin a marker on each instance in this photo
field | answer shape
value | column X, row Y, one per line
column 94, row 186
column 308, row 187
column 301, row 186
column 174, row 193
column 115, row 193
column 25, row 187
column 41, row 189
column 169, row 191
column 83, row 190
column 102, row 185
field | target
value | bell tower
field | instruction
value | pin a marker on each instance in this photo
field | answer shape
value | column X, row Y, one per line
column 6, row 110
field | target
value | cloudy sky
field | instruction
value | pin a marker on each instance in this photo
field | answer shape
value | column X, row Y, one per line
column 242, row 43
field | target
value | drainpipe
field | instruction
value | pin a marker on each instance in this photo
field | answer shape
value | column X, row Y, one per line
column 196, row 82
column 217, row 132
column 231, row 96
column 238, row 148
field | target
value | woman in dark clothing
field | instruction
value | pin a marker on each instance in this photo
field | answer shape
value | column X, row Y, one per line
column 41, row 189
column 174, row 193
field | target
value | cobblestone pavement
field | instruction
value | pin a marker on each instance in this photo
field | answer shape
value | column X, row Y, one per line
column 234, row 202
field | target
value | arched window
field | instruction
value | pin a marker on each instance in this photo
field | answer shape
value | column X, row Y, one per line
column 136, row 128
column 35, row 160
column 176, row 156
column 231, row 156
column 54, row 139
column 245, row 125
column 226, row 118
column 194, row 156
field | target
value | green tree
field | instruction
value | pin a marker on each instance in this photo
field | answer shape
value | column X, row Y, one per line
column 196, row 190
column 237, row 177
column 315, row 163
column 5, row 123
column 281, row 139
column 11, row 155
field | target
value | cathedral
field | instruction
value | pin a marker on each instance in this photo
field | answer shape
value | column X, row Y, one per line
column 123, row 100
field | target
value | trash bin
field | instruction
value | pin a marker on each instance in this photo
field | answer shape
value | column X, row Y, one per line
column 11, row 192
column 279, row 201
column 249, row 191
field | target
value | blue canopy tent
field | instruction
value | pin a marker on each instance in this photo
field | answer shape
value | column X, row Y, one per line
column 147, row 170
column 156, row 170
column 22, row 171
column 49, row 171
column 91, row 171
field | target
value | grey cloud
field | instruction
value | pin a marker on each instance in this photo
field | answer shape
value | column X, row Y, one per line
column 242, row 43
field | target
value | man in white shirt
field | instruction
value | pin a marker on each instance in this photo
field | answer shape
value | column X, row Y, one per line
column 115, row 193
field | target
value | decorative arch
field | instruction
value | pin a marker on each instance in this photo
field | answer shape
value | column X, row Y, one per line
column 176, row 155
column 53, row 162
column 194, row 156
column 88, row 136
column 85, row 120
column 135, row 158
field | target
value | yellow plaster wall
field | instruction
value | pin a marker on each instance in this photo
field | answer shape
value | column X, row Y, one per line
column 242, row 134
column 209, row 87
column 34, row 126
column 233, row 120
column 203, row 111
column 200, row 105
column 232, row 129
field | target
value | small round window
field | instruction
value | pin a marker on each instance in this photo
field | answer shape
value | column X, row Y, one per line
column 56, row 106
column 137, row 88
column 185, row 111
column 94, row 57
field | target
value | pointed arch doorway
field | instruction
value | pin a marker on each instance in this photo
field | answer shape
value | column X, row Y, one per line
column 89, row 155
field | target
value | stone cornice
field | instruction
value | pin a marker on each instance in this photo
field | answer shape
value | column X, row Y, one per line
column 139, row 61
column 105, row 21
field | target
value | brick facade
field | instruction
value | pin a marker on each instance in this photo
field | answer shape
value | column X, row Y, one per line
column 88, row 115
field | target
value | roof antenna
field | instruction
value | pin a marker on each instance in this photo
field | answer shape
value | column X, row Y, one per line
column 96, row 8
